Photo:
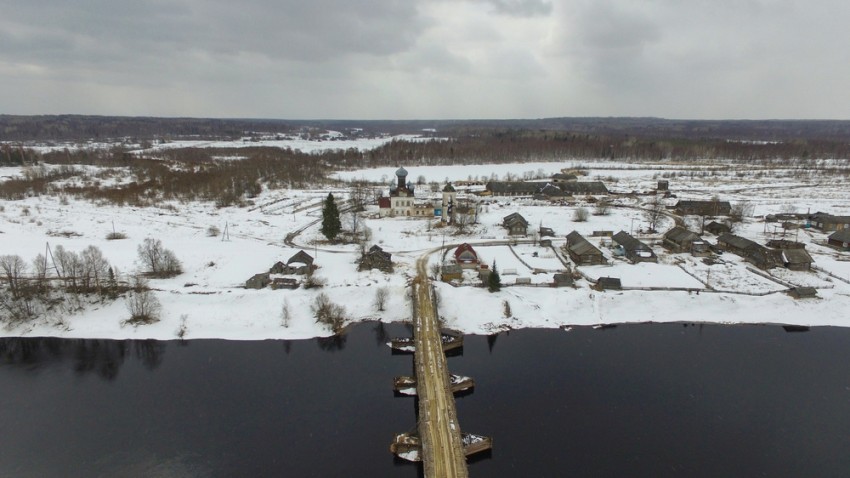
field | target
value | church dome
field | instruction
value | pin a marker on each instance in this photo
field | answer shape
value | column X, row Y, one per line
column 401, row 172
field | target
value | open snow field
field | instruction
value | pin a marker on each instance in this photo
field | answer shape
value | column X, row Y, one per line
column 211, row 299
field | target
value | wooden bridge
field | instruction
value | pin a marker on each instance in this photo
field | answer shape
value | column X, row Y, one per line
column 439, row 443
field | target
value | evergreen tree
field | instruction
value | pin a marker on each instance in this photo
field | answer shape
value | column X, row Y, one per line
column 330, row 218
column 494, row 282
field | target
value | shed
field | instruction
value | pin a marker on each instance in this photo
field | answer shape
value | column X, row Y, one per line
column 546, row 232
column 562, row 280
column 299, row 263
column 803, row 292
column 609, row 283
column 450, row 272
column 284, row 283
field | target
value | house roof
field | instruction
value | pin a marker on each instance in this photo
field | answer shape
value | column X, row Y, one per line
column 680, row 235
column 842, row 235
column 737, row 242
column 465, row 248
column 514, row 187
column 609, row 282
column 301, row 257
column 581, row 246
column 629, row 243
column 514, row 218
column 717, row 227
column 451, row 269
column 796, row 256
column 827, row 218
column 564, row 177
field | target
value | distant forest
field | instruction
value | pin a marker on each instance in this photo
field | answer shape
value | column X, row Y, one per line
column 199, row 173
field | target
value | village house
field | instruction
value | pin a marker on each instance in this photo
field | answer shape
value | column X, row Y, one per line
column 679, row 239
column 751, row 251
column 515, row 224
column 466, row 257
column 703, row 208
column 827, row 222
column 300, row 263
column 565, row 188
column 840, row 239
column 635, row 250
column 717, row 228
column 582, row 252
column 376, row 258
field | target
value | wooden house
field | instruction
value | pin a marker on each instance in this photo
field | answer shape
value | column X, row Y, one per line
column 840, row 239
column 466, row 257
column 635, row 250
column 376, row 258
column 751, row 251
column 680, row 239
column 582, row 252
column 717, row 228
column 828, row 222
column 515, row 224
column 703, row 208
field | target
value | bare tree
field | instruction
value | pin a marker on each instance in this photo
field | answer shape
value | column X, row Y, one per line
column 285, row 314
column 95, row 267
column 381, row 295
column 741, row 210
column 580, row 214
column 328, row 313
column 603, row 207
column 13, row 267
column 159, row 261
column 142, row 304
column 653, row 212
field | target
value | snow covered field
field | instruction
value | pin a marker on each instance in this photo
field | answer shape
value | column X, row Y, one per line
column 210, row 298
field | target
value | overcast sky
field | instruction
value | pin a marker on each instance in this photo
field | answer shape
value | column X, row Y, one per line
column 409, row 59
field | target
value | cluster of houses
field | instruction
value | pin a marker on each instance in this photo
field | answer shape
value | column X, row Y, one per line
column 299, row 264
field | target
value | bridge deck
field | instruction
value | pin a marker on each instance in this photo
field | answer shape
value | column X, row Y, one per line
column 439, row 430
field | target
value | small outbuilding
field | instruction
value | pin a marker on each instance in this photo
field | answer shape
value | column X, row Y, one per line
column 562, row 280
column 258, row 281
column 608, row 283
column 703, row 208
column 450, row 272
column 803, row 292
column 795, row 259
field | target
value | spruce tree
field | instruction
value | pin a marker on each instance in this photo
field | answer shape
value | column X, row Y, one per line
column 330, row 218
column 494, row 282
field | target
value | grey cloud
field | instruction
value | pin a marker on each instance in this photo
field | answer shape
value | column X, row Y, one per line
column 522, row 8
column 292, row 30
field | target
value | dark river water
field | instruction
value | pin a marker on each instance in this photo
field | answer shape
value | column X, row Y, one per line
column 632, row 401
